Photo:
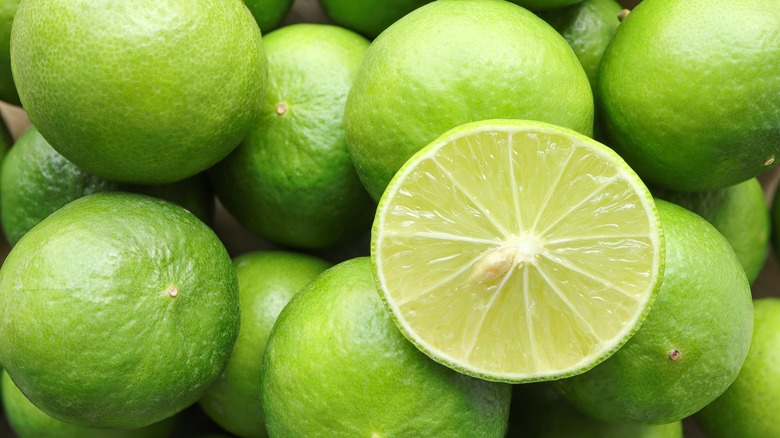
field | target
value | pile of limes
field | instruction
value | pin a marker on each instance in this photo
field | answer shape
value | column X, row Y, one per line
column 478, row 218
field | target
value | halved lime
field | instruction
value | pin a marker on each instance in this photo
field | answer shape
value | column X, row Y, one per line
column 517, row 251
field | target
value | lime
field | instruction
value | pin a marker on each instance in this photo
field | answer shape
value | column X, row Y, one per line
column 588, row 27
column 36, row 180
column 775, row 220
column 291, row 180
column 266, row 282
column 336, row 366
column 27, row 421
column 739, row 212
column 691, row 91
column 5, row 139
column 544, row 5
column 268, row 13
column 456, row 61
column 692, row 344
column 498, row 252
column 369, row 17
column 748, row 408
column 539, row 411
column 118, row 310
column 7, row 88
column 139, row 91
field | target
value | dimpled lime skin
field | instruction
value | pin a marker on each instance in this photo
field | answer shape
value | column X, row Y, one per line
column 117, row 311
column 266, row 283
column 455, row 61
column 740, row 213
column 7, row 88
column 748, row 409
column 368, row 17
column 268, row 13
column 139, row 91
column 336, row 365
column 292, row 181
column 27, row 421
column 691, row 91
column 703, row 312
column 35, row 181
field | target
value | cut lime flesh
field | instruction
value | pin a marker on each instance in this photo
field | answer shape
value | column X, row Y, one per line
column 517, row 251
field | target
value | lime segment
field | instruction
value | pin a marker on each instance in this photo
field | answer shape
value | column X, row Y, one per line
column 517, row 251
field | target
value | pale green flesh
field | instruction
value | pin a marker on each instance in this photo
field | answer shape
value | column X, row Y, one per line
column 517, row 254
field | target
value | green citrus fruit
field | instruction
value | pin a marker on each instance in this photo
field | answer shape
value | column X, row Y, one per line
column 36, row 180
column 7, row 88
column 456, row 61
column 266, row 282
column 118, row 310
column 5, row 139
column 268, row 13
column 692, row 344
column 748, row 409
column 370, row 17
column 291, row 180
column 497, row 251
column 739, row 212
column 691, row 91
column 139, row 91
column 336, row 366
column 539, row 411
column 27, row 421
column 588, row 27
column 544, row 5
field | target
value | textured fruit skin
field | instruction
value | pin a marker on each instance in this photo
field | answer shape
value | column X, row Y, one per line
column 266, row 283
column 748, row 409
column 588, row 27
column 292, row 181
column 691, row 91
column 140, row 91
column 27, row 421
column 336, row 365
column 36, row 180
column 703, row 312
column 7, row 88
column 368, row 17
column 268, row 13
column 479, row 60
column 739, row 212
column 117, row 311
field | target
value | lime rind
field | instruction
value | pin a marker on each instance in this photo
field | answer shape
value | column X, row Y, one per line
column 484, row 250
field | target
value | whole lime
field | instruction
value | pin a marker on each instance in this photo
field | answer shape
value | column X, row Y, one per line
column 266, row 283
column 7, row 88
column 368, row 17
column 693, row 342
column 27, row 421
column 140, row 91
column 268, row 13
column 748, row 409
column 35, row 181
column 335, row 365
column 691, row 91
column 118, row 311
column 739, row 212
column 455, row 61
column 291, row 180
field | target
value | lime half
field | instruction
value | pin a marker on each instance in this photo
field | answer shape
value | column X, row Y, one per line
column 517, row 251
